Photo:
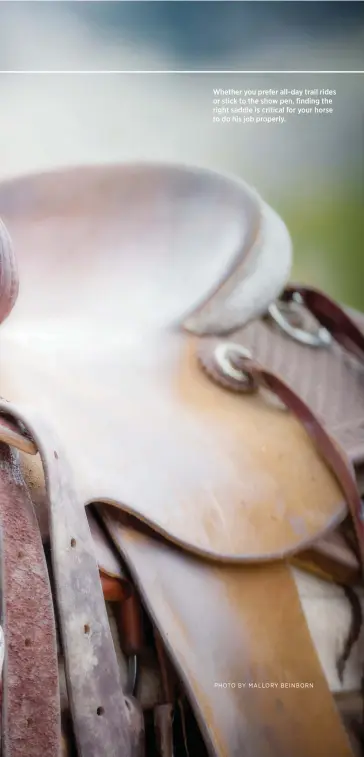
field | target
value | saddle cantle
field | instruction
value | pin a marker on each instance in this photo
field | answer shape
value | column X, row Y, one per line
column 124, row 272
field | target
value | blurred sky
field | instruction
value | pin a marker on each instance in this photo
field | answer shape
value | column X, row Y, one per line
column 55, row 119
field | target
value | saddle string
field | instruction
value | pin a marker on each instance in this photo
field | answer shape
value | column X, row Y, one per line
column 343, row 329
column 339, row 324
column 261, row 378
column 232, row 366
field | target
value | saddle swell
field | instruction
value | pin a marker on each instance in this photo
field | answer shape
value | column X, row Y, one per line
column 140, row 265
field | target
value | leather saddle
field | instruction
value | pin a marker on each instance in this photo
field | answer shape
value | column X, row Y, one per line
column 143, row 407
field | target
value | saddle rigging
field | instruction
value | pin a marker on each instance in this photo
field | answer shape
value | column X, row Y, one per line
column 146, row 324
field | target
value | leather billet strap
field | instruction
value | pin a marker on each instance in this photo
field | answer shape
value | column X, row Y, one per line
column 255, row 376
column 31, row 703
column 97, row 704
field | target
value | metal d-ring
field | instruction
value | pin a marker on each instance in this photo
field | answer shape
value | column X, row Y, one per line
column 319, row 338
column 223, row 355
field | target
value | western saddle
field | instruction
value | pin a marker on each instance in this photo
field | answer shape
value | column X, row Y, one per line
column 177, row 426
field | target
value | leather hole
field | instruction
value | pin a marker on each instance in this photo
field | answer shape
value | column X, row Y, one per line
column 29, row 722
column 100, row 711
column 20, row 555
column 55, row 454
column 28, row 643
column 86, row 629
column 73, row 543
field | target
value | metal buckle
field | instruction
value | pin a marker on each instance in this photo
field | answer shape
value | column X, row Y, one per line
column 224, row 354
column 319, row 338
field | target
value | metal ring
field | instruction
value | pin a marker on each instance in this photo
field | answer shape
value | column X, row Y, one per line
column 222, row 355
column 132, row 674
column 320, row 338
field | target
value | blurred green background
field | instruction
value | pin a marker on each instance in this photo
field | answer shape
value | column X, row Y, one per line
column 310, row 170
column 334, row 223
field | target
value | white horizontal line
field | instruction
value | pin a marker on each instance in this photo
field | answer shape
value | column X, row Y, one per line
column 164, row 71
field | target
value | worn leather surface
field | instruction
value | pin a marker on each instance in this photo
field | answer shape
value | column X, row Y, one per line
column 331, row 558
column 177, row 589
column 262, row 379
column 101, row 334
column 236, row 624
column 330, row 380
column 99, row 351
column 31, row 703
column 107, row 559
column 93, row 680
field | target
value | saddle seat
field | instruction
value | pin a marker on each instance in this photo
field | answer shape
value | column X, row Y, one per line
column 117, row 268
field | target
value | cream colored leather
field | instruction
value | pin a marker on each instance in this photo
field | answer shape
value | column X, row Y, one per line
column 110, row 260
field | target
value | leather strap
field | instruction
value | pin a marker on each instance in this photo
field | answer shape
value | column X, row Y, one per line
column 30, row 679
column 331, row 316
column 327, row 447
column 348, row 335
column 99, row 714
column 223, row 624
column 256, row 376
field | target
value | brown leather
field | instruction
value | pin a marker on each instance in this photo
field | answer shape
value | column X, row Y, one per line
column 332, row 316
column 107, row 559
column 123, row 391
column 350, row 706
column 329, row 450
column 232, row 624
column 344, row 329
column 330, row 381
column 93, row 680
column 332, row 559
column 32, row 725
column 113, row 589
column 130, row 623
column 325, row 445
column 135, row 365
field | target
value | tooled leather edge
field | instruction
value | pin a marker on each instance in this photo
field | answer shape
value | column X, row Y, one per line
column 30, row 680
